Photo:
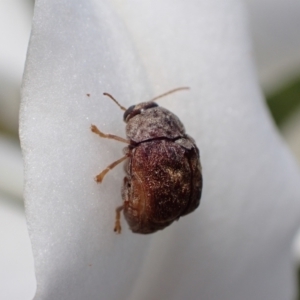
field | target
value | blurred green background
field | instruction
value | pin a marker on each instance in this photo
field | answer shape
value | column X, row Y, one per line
column 284, row 102
column 284, row 105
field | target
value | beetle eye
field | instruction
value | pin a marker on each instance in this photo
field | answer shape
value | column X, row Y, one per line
column 128, row 111
column 137, row 109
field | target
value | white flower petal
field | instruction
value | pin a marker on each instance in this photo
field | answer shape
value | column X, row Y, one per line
column 77, row 49
column 237, row 244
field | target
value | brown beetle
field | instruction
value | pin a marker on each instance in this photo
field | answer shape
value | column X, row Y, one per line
column 163, row 180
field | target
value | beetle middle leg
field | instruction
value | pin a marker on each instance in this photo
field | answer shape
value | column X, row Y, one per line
column 109, row 136
column 118, row 227
column 100, row 176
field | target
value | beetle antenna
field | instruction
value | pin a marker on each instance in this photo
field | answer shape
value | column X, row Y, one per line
column 169, row 92
column 112, row 98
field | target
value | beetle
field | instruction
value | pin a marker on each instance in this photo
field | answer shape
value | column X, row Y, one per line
column 163, row 179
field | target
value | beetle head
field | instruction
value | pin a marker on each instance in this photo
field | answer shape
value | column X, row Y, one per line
column 134, row 110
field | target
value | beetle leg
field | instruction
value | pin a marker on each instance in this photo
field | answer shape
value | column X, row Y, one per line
column 109, row 136
column 100, row 176
column 118, row 227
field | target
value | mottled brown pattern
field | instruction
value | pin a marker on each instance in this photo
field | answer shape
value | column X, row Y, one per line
column 160, row 185
column 164, row 179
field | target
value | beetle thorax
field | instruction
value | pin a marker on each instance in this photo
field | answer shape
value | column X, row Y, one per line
column 148, row 123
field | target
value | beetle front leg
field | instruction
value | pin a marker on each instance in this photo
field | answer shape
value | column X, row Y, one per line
column 108, row 136
column 118, row 227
